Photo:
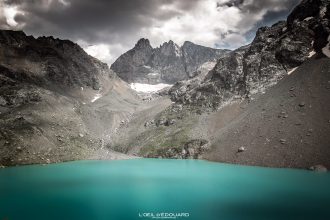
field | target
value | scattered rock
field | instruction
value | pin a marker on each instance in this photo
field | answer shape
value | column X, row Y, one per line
column 81, row 135
column 3, row 102
column 282, row 141
column 179, row 107
column 283, row 114
column 170, row 122
column 191, row 151
column 184, row 152
column 318, row 168
column 149, row 123
column 241, row 149
column 161, row 121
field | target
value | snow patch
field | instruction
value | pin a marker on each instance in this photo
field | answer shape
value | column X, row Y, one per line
column 148, row 88
column 96, row 97
column 292, row 70
column 312, row 53
column 323, row 11
column 208, row 65
column 309, row 18
column 153, row 74
column 326, row 50
column 177, row 51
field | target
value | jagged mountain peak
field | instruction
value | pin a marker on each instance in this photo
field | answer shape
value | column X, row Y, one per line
column 168, row 43
column 273, row 53
column 169, row 61
column 188, row 43
column 142, row 43
column 49, row 61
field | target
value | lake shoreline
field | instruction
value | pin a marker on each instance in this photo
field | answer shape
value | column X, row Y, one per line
column 162, row 159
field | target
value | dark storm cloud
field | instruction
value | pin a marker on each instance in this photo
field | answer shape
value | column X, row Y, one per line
column 231, row 3
column 257, row 5
column 96, row 20
column 276, row 11
column 120, row 23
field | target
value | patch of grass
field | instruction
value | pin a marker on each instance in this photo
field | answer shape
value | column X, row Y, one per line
column 157, row 141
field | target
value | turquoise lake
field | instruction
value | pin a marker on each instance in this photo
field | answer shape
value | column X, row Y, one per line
column 149, row 188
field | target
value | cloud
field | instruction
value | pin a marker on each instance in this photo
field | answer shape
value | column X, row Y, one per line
column 106, row 29
column 7, row 17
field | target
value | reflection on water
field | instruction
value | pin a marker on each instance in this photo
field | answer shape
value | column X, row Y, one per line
column 163, row 189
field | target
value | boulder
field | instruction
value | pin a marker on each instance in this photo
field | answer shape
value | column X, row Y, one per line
column 318, row 168
column 241, row 149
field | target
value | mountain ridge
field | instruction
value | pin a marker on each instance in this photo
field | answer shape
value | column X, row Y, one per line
column 167, row 63
column 272, row 54
column 265, row 104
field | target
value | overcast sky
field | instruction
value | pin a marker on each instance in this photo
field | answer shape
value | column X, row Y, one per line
column 108, row 28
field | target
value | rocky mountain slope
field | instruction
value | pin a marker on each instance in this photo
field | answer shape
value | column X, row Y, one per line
column 168, row 63
column 287, row 126
column 264, row 104
column 49, row 106
column 274, row 52
column 255, row 106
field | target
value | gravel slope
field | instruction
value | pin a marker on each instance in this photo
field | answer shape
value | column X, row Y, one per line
column 288, row 126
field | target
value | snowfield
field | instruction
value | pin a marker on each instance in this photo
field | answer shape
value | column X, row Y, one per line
column 326, row 50
column 292, row 70
column 148, row 88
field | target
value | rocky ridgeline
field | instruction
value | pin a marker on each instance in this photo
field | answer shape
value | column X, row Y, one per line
column 27, row 63
column 50, row 60
column 273, row 53
column 168, row 63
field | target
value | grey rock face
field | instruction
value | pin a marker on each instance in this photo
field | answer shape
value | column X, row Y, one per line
column 134, row 61
column 168, row 63
column 253, row 68
column 27, row 64
column 48, row 61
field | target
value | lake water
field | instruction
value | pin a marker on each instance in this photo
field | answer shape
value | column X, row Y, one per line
column 142, row 188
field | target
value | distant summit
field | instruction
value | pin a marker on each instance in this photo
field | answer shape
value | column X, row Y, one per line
column 143, row 43
column 168, row 63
